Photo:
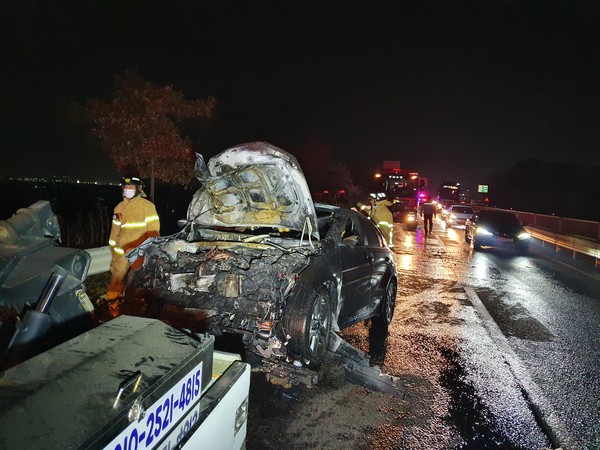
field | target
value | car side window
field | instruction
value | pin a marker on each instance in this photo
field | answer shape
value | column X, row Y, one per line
column 370, row 235
column 350, row 233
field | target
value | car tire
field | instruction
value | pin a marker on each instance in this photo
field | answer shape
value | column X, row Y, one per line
column 476, row 245
column 307, row 321
column 388, row 304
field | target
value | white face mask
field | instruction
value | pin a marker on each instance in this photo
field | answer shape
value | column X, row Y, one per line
column 128, row 193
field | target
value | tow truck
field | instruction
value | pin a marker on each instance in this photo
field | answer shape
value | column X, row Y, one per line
column 130, row 383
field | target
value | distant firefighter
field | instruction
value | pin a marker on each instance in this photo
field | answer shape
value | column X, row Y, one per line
column 382, row 216
column 134, row 220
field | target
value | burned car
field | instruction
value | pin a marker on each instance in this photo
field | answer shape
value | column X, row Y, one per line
column 257, row 257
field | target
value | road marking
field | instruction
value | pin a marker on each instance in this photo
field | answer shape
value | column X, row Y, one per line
column 550, row 424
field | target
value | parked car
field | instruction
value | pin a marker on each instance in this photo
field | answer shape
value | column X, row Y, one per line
column 497, row 228
column 457, row 215
column 258, row 258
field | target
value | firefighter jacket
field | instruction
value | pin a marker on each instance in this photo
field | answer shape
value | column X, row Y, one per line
column 134, row 221
column 381, row 214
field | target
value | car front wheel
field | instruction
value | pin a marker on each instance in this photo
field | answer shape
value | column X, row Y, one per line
column 307, row 320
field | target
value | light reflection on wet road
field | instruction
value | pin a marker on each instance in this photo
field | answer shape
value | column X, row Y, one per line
column 550, row 316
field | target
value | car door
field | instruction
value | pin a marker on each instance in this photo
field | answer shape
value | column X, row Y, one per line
column 379, row 257
column 356, row 273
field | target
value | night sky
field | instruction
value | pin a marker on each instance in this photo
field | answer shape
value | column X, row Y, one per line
column 454, row 89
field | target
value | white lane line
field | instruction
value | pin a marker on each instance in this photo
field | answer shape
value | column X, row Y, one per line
column 552, row 425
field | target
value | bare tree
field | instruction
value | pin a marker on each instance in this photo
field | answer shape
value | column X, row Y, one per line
column 323, row 169
column 139, row 129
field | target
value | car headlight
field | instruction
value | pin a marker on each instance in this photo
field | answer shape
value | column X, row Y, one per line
column 483, row 232
column 524, row 235
column 410, row 218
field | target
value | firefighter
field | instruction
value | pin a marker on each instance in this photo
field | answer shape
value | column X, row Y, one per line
column 383, row 217
column 134, row 220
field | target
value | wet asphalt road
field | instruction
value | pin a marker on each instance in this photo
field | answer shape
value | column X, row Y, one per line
column 494, row 350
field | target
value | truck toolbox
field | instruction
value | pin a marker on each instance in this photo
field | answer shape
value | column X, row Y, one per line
column 131, row 383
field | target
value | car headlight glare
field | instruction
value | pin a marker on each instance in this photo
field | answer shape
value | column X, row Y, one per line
column 524, row 235
column 484, row 232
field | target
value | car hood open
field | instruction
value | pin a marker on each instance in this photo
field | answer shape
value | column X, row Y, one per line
column 253, row 185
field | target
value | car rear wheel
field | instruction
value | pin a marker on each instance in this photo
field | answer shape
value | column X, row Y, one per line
column 388, row 305
column 307, row 320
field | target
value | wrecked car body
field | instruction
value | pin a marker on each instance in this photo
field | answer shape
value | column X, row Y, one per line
column 257, row 257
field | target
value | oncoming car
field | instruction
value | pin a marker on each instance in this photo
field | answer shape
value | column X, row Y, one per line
column 497, row 228
column 257, row 257
column 457, row 215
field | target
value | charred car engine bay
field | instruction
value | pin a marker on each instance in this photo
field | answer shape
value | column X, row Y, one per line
column 229, row 287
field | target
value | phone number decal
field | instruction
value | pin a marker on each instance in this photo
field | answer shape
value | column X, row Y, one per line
column 145, row 433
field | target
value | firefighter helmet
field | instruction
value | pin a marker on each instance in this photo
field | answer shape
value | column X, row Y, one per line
column 132, row 181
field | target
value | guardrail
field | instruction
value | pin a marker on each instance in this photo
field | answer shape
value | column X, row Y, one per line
column 572, row 243
column 101, row 257
column 561, row 225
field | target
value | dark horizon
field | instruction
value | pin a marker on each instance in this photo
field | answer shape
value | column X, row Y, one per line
column 452, row 90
